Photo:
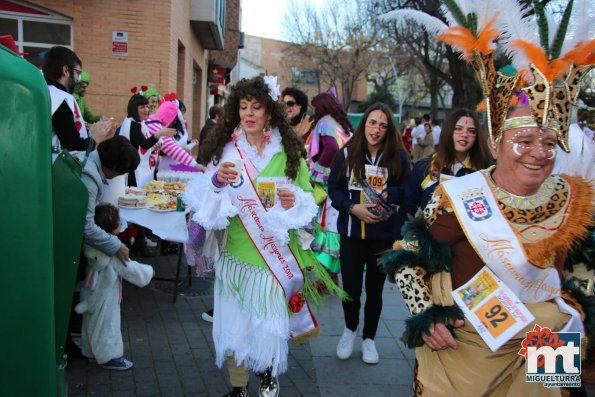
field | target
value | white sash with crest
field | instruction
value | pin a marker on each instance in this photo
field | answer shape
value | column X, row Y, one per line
column 496, row 243
column 278, row 257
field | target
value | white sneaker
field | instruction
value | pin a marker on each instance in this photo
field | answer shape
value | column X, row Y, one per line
column 345, row 346
column 369, row 352
column 208, row 316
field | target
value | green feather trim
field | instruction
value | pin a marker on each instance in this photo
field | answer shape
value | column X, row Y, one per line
column 433, row 256
column 561, row 33
column 391, row 261
column 542, row 24
column 457, row 13
column 420, row 323
column 472, row 22
column 310, row 292
column 584, row 252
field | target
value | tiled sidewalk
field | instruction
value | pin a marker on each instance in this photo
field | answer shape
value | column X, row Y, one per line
column 173, row 355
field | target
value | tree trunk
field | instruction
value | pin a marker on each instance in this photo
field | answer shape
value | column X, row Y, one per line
column 466, row 90
column 434, row 92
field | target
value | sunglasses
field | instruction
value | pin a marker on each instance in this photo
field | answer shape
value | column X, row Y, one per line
column 290, row 104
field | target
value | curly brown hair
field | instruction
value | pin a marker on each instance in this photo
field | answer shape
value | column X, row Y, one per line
column 253, row 89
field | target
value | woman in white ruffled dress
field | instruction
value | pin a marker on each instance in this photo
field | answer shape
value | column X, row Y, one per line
column 256, row 189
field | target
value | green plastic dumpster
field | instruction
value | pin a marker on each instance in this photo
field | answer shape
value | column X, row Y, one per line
column 42, row 210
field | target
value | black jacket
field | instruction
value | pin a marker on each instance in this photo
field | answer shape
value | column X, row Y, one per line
column 342, row 198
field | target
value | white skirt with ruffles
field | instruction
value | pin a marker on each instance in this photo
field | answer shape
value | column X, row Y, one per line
column 251, row 319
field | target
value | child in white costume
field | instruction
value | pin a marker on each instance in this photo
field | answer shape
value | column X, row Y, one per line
column 102, row 293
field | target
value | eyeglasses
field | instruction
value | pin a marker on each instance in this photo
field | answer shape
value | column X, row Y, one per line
column 381, row 126
column 290, row 104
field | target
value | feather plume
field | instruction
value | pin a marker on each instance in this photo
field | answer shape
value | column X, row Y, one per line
column 537, row 56
column 459, row 15
column 486, row 36
column 542, row 24
column 553, row 26
column 464, row 41
column 582, row 26
column 484, row 11
column 556, row 44
column 460, row 38
column 583, row 53
column 481, row 106
column 466, row 6
column 514, row 27
column 432, row 24
column 448, row 15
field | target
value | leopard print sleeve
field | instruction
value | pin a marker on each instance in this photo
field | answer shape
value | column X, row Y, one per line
column 437, row 206
column 414, row 284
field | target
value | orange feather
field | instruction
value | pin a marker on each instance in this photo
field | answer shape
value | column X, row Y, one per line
column 486, row 36
column 583, row 53
column 537, row 56
column 459, row 37
column 462, row 38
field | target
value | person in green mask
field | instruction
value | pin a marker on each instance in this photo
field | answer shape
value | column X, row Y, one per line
column 153, row 96
column 80, row 89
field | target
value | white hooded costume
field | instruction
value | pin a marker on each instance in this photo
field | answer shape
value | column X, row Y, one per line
column 100, row 302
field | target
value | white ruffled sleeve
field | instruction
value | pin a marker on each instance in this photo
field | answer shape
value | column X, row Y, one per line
column 212, row 206
column 300, row 215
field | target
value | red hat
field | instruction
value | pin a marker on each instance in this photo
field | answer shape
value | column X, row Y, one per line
column 8, row 42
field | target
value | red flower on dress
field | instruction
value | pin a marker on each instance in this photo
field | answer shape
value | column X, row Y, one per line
column 540, row 337
column 296, row 303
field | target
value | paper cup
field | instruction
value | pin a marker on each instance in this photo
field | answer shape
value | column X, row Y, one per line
column 238, row 166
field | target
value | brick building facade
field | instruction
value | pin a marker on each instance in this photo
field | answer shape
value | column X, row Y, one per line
column 168, row 43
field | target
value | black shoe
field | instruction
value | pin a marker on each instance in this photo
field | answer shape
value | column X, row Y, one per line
column 269, row 385
column 238, row 392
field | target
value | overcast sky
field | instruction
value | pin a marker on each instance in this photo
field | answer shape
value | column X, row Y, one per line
column 264, row 18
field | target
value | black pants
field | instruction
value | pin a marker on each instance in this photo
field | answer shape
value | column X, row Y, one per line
column 355, row 255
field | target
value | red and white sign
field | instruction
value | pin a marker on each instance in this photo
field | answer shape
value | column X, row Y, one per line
column 217, row 75
column 120, row 44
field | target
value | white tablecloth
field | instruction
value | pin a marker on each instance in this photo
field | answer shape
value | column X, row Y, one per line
column 170, row 226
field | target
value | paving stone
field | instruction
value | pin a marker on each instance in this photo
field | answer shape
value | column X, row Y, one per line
column 144, row 374
column 173, row 352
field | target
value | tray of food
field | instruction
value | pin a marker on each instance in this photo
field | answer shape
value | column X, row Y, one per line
column 132, row 201
column 164, row 207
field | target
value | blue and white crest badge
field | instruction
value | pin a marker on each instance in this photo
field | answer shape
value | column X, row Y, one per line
column 476, row 205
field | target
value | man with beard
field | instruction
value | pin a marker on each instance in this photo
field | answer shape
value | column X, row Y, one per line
column 62, row 69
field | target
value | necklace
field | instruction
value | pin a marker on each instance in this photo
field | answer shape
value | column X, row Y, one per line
column 542, row 196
